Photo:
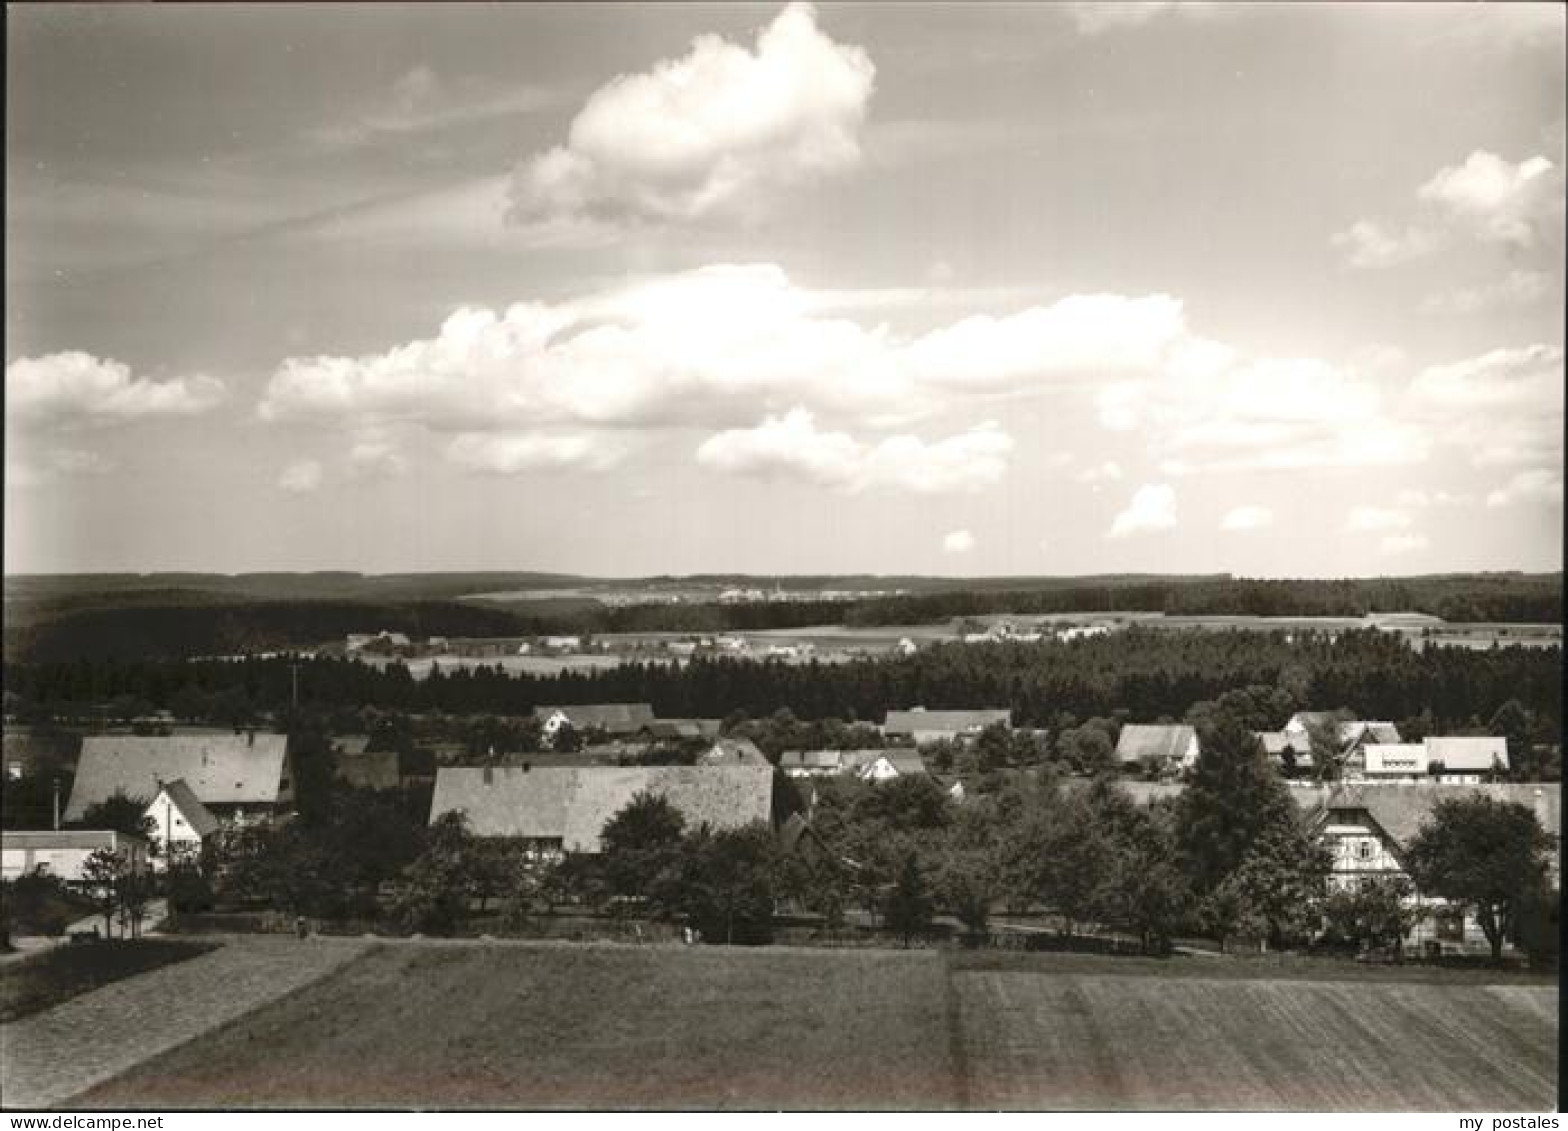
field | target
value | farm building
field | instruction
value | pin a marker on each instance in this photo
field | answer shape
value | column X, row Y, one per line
column 893, row 763
column 181, row 824
column 611, row 718
column 238, row 777
column 555, row 810
column 1174, row 745
column 831, row 763
column 665, row 729
column 733, row 752
column 62, row 853
column 923, row 727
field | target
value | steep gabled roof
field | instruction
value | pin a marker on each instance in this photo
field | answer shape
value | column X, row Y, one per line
column 903, row 760
column 221, row 769
column 1163, row 742
column 573, row 805
column 1401, row 810
column 189, row 806
column 955, row 722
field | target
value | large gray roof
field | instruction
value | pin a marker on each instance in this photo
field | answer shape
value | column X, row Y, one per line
column 615, row 718
column 1166, row 742
column 954, row 722
column 221, row 769
column 574, row 804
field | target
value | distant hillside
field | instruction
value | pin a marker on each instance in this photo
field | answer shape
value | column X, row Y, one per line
column 178, row 615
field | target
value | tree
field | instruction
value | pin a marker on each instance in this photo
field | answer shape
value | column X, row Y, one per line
column 567, row 739
column 968, row 883
column 1234, row 796
column 121, row 813
column 1480, row 853
column 436, row 885
column 1323, row 736
column 641, row 850
column 103, row 870
column 1376, row 912
column 726, row 883
column 907, row 911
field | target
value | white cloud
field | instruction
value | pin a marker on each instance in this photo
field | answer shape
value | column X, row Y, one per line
column 420, row 102
column 1538, row 486
column 1504, row 407
column 1153, row 508
column 958, row 542
column 1520, row 287
column 1403, row 543
column 301, row 477
column 515, row 453
column 1248, row 517
column 1372, row 519
column 49, row 466
column 792, row 446
column 1096, row 17
column 1109, row 471
column 1368, row 246
column 1419, row 498
column 1271, row 413
column 720, row 130
column 1499, row 201
column 78, row 388
column 1486, row 199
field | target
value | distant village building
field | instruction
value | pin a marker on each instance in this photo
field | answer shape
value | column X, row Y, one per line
column 733, row 752
column 555, row 810
column 872, row 764
column 62, row 854
column 1169, row 746
column 356, row 765
column 923, row 727
column 611, row 718
column 239, row 778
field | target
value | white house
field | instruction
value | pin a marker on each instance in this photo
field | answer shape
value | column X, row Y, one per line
column 180, row 823
column 1167, row 745
column 1405, row 761
column 1467, row 760
column 239, row 778
column 890, row 764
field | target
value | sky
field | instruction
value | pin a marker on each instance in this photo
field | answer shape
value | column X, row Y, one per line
column 622, row 290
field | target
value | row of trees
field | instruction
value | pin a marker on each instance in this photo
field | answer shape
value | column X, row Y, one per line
column 1147, row 674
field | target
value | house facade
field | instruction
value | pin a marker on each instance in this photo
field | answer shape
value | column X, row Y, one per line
column 181, row 824
column 1174, row 746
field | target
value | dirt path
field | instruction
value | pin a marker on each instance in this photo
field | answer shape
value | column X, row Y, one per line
column 49, row 1057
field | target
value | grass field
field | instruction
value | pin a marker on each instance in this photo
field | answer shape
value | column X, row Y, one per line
column 438, row 1025
column 45, row 980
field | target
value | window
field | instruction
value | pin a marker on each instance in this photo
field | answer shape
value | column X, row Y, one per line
column 1364, row 850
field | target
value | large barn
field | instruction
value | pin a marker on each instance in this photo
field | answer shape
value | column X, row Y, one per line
column 556, row 809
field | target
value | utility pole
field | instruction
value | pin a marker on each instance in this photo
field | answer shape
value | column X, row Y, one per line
column 294, row 679
column 56, row 804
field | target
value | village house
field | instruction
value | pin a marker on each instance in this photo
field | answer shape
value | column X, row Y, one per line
column 892, row 763
column 733, row 752
column 922, row 727
column 356, row 765
column 1162, row 746
column 181, row 824
column 667, row 729
column 1439, row 760
column 613, row 719
column 30, row 755
column 63, row 853
column 239, row 778
column 872, row 764
column 551, row 811
column 1367, row 828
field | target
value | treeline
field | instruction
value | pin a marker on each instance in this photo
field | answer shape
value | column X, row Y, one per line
column 1149, row 675
column 1467, row 598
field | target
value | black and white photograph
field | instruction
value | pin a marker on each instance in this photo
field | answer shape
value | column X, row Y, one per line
column 783, row 556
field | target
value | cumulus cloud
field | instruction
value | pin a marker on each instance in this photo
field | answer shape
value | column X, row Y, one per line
column 1486, row 198
column 1537, row 486
column 1248, row 517
column 77, row 388
column 791, row 446
column 1272, row 413
column 1503, row 407
column 49, row 466
column 718, row 131
column 1403, row 543
column 515, row 453
column 1371, row 519
column 1152, row 509
column 958, row 542
column 301, row 477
